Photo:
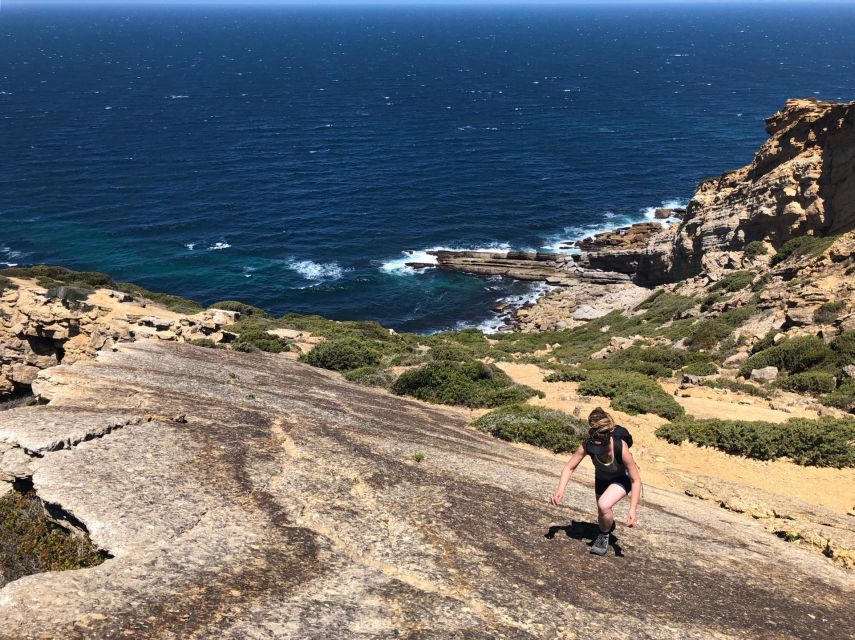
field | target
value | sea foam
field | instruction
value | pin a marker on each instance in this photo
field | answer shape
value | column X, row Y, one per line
column 317, row 272
column 398, row 266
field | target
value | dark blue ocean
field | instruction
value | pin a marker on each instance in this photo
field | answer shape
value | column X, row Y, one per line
column 287, row 156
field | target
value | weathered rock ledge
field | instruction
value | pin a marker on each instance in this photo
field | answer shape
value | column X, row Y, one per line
column 249, row 496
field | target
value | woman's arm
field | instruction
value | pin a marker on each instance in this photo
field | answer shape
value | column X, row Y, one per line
column 635, row 477
column 567, row 473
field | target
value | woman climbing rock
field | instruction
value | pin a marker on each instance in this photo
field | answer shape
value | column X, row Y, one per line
column 616, row 473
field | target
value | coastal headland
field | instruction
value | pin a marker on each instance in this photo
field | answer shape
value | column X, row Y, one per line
column 229, row 474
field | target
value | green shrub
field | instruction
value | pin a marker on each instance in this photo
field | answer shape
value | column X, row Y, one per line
column 452, row 352
column 734, row 281
column 30, row 543
column 733, row 385
column 841, row 398
column 370, row 377
column 631, row 393
column 826, row 442
column 814, row 382
column 69, row 294
column 701, row 369
column 259, row 340
column 241, row 307
column 792, row 355
column 754, row 249
column 803, row 246
column 342, row 355
column 829, row 312
column 765, row 342
column 706, row 334
column 471, row 384
column 843, row 347
column 547, row 428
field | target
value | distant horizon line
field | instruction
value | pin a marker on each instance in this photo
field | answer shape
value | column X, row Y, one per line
column 412, row 3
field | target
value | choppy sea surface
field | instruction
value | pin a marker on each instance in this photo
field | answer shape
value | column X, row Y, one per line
column 287, row 157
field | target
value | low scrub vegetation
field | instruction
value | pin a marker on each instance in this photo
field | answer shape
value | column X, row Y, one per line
column 343, row 354
column 259, row 340
column 470, row 384
column 5, row 284
column 370, row 377
column 701, row 369
column 803, row 246
column 631, row 393
column 821, row 443
column 841, row 398
column 29, row 543
column 734, row 281
column 49, row 277
column 754, row 250
column 793, row 355
column 241, row 307
column 547, row 428
column 812, row 382
column 829, row 312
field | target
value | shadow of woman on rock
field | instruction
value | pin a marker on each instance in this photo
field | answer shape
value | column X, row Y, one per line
column 583, row 531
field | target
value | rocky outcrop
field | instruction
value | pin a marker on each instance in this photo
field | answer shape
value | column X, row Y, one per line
column 801, row 181
column 42, row 328
column 249, row 496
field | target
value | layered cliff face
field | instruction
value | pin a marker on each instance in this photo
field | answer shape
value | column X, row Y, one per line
column 801, row 182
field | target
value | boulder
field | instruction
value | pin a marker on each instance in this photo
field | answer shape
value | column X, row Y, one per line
column 764, row 375
column 849, row 371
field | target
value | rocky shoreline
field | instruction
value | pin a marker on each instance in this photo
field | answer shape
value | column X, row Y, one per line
column 798, row 184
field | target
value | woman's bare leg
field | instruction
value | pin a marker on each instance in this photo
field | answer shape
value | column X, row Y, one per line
column 609, row 498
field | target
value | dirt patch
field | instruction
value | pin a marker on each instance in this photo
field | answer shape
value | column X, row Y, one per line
column 825, row 487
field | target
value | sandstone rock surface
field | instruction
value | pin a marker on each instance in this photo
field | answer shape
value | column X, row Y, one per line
column 287, row 503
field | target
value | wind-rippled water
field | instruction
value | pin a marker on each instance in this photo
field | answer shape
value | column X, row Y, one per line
column 287, row 156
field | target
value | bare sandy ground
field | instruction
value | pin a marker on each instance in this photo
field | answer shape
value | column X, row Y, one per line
column 830, row 488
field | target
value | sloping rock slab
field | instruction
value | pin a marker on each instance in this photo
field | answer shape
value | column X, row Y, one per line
column 289, row 505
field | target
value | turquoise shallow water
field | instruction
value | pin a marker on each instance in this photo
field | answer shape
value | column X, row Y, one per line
column 287, row 157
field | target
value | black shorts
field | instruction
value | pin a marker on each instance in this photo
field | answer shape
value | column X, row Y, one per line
column 601, row 484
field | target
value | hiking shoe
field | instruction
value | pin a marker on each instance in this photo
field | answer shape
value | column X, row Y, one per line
column 601, row 544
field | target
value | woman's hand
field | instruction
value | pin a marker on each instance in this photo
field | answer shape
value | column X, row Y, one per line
column 631, row 518
column 556, row 498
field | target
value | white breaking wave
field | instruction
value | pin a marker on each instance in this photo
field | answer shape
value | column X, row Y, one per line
column 9, row 254
column 398, row 266
column 562, row 242
column 498, row 321
column 190, row 245
column 317, row 272
column 175, row 97
column 219, row 246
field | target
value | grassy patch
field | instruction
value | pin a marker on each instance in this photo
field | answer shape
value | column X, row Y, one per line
column 631, row 393
column 5, row 284
column 821, row 443
column 471, row 384
column 30, row 544
column 547, row 428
